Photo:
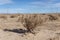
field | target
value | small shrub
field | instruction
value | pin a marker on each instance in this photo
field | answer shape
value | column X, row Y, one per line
column 4, row 17
column 12, row 16
column 43, row 14
column 51, row 17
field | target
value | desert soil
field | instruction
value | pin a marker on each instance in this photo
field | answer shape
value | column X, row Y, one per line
column 48, row 30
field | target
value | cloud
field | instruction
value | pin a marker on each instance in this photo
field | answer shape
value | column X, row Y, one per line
column 5, row 2
column 56, row 5
column 46, row 4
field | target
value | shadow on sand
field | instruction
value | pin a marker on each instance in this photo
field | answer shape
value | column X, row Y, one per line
column 20, row 31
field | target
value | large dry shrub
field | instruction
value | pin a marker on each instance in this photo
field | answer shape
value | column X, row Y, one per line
column 31, row 22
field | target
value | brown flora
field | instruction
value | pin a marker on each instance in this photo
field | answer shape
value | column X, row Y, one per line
column 31, row 23
column 51, row 17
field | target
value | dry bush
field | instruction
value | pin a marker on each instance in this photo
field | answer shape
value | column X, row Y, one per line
column 55, row 38
column 32, row 22
column 51, row 17
column 14, row 15
column 43, row 14
column 3, row 17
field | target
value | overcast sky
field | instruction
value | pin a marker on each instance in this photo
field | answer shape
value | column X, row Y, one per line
column 29, row 6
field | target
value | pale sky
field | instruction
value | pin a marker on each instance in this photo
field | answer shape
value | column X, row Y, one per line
column 29, row 6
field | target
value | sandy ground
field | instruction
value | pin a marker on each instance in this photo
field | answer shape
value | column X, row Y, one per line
column 49, row 30
column 42, row 35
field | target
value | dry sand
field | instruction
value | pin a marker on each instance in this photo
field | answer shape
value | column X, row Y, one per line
column 48, row 30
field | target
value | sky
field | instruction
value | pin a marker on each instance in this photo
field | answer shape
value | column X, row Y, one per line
column 29, row 6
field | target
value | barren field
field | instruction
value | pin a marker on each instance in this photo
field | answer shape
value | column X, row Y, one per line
column 47, row 27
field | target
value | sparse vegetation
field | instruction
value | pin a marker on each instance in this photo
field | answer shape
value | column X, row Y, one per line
column 55, row 38
column 31, row 23
column 42, row 27
column 3, row 17
column 51, row 17
column 12, row 16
